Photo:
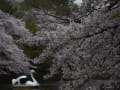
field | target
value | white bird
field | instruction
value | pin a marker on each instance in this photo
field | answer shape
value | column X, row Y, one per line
column 17, row 80
column 33, row 82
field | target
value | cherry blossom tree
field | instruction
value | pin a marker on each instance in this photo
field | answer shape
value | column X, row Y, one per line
column 12, row 58
column 81, row 51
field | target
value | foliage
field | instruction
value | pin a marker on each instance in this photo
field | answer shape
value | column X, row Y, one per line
column 44, row 67
column 31, row 25
column 59, row 6
column 115, row 15
column 33, row 51
column 46, row 3
column 6, row 6
column 16, row 37
column 18, row 13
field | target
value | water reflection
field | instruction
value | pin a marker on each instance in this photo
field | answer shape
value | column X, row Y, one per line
column 26, row 88
column 42, row 87
column 39, row 88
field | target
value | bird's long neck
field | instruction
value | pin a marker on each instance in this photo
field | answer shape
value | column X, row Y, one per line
column 33, row 77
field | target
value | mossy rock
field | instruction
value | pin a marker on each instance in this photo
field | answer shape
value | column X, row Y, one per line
column 33, row 51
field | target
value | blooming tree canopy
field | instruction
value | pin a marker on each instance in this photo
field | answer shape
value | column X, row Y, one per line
column 12, row 58
column 79, row 51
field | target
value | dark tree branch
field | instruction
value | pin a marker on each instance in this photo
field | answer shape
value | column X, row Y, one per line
column 112, row 6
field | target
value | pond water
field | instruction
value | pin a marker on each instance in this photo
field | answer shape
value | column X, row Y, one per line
column 42, row 87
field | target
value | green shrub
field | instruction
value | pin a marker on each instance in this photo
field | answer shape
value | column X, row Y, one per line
column 18, row 13
column 31, row 25
column 6, row 6
column 33, row 51
column 43, row 68
column 115, row 15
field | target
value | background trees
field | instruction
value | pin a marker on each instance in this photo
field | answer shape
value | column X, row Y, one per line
column 6, row 6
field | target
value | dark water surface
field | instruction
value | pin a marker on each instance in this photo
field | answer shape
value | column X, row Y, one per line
column 42, row 87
